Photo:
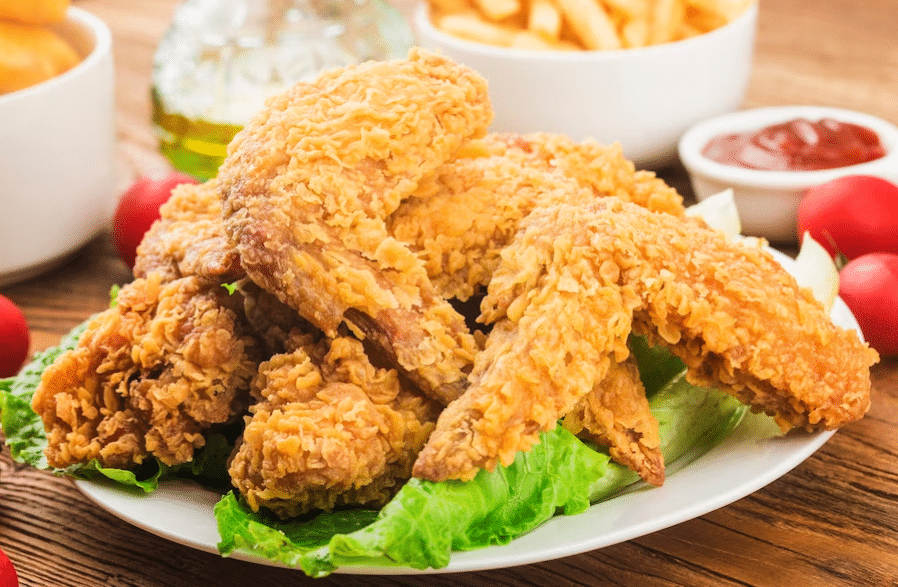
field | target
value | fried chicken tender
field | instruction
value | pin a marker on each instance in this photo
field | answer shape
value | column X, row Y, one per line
column 330, row 429
column 189, row 239
column 461, row 218
column 148, row 377
column 616, row 414
column 307, row 186
column 577, row 278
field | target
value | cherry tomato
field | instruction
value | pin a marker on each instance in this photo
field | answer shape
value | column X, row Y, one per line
column 138, row 208
column 8, row 575
column 14, row 339
column 869, row 286
column 852, row 215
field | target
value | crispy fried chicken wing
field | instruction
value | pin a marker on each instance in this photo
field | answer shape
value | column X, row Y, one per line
column 309, row 182
column 616, row 414
column 330, row 429
column 148, row 376
column 729, row 310
column 461, row 218
column 189, row 239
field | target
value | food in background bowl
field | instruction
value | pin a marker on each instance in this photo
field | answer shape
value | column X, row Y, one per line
column 644, row 98
column 30, row 50
column 582, row 24
column 34, row 11
column 797, row 145
column 768, row 197
column 57, row 149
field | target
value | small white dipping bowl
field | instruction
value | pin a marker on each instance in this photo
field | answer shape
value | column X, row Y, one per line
column 768, row 200
column 56, row 156
column 643, row 98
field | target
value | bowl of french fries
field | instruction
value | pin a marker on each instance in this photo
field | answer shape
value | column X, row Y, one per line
column 635, row 72
column 57, row 146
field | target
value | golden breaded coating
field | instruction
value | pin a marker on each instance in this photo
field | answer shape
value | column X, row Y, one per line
column 460, row 219
column 601, row 168
column 270, row 320
column 732, row 313
column 189, row 238
column 330, row 430
column 148, row 377
column 545, row 352
column 307, row 186
column 616, row 414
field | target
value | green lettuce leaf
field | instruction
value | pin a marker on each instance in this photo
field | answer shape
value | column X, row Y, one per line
column 425, row 522
column 283, row 541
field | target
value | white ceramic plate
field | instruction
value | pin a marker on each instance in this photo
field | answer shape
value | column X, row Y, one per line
column 751, row 457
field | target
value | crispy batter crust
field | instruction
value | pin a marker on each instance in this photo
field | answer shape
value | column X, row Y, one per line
column 148, row 376
column 461, row 218
column 330, row 430
column 729, row 310
column 189, row 239
column 616, row 414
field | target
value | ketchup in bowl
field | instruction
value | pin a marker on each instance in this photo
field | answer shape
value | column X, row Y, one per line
column 797, row 145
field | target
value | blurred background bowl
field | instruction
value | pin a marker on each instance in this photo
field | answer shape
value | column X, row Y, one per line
column 768, row 201
column 56, row 156
column 644, row 98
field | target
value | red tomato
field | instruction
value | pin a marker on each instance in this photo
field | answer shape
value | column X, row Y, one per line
column 8, row 576
column 852, row 215
column 869, row 286
column 14, row 339
column 138, row 208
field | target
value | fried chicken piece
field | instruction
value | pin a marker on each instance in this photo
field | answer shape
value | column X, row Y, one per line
column 309, row 182
column 551, row 347
column 330, row 429
column 616, row 414
column 189, row 239
column 459, row 220
column 148, row 376
column 271, row 321
column 729, row 310
column 601, row 168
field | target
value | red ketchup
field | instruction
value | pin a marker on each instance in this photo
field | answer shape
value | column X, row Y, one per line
column 797, row 145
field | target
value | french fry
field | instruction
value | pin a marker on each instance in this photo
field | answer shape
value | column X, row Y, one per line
column 704, row 21
column 33, row 11
column 630, row 9
column 447, row 6
column 726, row 9
column 498, row 9
column 582, row 24
column 591, row 24
column 544, row 19
column 471, row 26
column 687, row 31
column 667, row 16
column 534, row 42
column 635, row 33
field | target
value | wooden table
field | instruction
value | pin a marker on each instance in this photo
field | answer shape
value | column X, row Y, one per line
column 832, row 521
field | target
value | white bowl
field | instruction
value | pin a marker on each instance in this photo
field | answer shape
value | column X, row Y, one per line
column 768, row 200
column 643, row 98
column 56, row 156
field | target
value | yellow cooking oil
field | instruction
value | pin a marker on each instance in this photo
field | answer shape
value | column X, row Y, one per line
column 220, row 60
column 193, row 145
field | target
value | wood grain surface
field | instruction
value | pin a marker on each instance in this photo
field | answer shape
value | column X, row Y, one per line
column 832, row 521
